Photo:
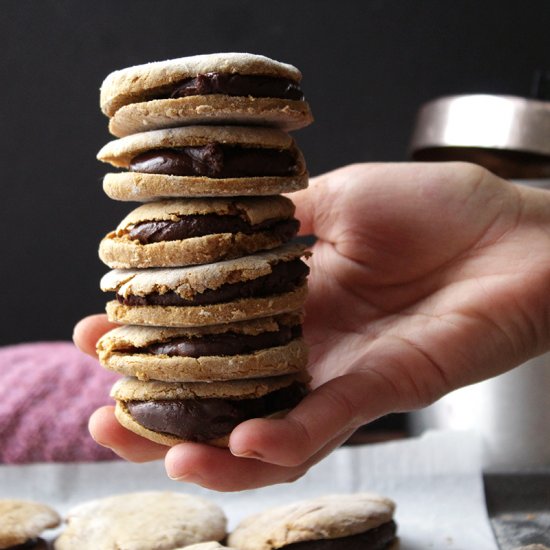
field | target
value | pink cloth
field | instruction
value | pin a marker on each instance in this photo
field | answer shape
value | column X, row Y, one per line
column 47, row 393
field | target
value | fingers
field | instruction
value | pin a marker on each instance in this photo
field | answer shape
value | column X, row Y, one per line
column 204, row 465
column 219, row 470
column 275, row 451
column 106, row 431
column 309, row 204
column 88, row 331
column 304, row 209
column 320, row 204
column 337, row 407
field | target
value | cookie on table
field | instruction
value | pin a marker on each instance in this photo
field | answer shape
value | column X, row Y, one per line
column 259, row 285
column 235, row 88
column 250, row 349
column 206, row 412
column 22, row 522
column 141, row 521
column 200, row 161
column 332, row 522
column 173, row 233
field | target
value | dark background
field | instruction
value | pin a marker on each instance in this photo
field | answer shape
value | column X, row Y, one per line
column 367, row 67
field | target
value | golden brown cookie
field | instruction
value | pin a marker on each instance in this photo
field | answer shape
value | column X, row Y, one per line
column 141, row 521
column 259, row 285
column 251, row 349
column 235, row 88
column 22, row 521
column 206, row 412
column 201, row 161
column 348, row 521
column 173, row 233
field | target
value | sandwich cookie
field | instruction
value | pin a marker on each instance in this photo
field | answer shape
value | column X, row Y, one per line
column 235, row 88
column 259, row 285
column 199, row 161
column 362, row 521
column 141, row 521
column 22, row 522
column 250, row 349
column 198, row 231
column 205, row 412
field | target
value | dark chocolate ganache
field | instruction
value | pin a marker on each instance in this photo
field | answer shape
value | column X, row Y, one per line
column 227, row 343
column 31, row 544
column 284, row 277
column 378, row 538
column 237, row 85
column 215, row 160
column 198, row 225
column 210, row 418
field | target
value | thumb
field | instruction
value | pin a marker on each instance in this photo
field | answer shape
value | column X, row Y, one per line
column 303, row 200
column 313, row 203
column 328, row 198
column 337, row 406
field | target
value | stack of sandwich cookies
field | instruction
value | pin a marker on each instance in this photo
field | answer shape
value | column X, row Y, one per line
column 206, row 282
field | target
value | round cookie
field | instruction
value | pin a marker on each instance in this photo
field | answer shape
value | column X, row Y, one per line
column 250, row 349
column 139, row 98
column 175, row 233
column 259, row 285
column 22, row 521
column 170, row 413
column 200, row 161
column 141, row 521
column 361, row 520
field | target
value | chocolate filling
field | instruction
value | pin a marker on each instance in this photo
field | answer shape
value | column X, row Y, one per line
column 284, row 277
column 198, row 225
column 237, row 85
column 210, row 418
column 227, row 343
column 374, row 539
column 216, row 161
column 31, row 544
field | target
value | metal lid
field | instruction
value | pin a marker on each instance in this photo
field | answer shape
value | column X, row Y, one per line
column 485, row 121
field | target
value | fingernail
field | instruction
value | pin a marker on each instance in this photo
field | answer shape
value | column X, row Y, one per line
column 245, row 453
column 189, row 477
column 177, row 478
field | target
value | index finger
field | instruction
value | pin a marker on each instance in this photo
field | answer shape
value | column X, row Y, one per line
column 107, row 432
column 89, row 330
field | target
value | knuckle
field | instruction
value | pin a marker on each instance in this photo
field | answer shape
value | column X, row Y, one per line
column 298, row 452
column 342, row 403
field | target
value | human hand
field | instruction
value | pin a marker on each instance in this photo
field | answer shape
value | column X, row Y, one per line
column 424, row 278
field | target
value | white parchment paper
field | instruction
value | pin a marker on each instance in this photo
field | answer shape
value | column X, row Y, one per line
column 435, row 481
